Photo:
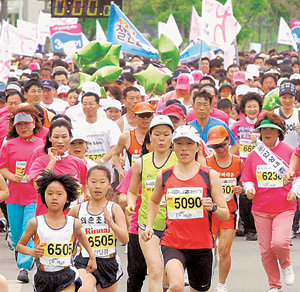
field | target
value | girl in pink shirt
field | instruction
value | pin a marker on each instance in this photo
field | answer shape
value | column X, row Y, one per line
column 57, row 158
column 21, row 204
column 273, row 213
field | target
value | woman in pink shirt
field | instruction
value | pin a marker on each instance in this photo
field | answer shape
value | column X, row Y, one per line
column 56, row 158
column 21, row 141
column 273, row 213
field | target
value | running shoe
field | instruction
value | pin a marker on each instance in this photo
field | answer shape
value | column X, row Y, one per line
column 23, row 276
column 288, row 276
column 3, row 225
column 251, row 236
column 9, row 241
column 274, row 290
column 221, row 288
column 186, row 278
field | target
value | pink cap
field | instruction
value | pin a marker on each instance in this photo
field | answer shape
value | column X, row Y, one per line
column 184, row 81
column 239, row 76
column 34, row 66
column 197, row 75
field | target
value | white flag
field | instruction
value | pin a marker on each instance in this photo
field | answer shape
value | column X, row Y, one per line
column 100, row 35
column 85, row 40
column 285, row 35
column 5, row 52
column 229, row 55
column 195, row 29
column 219, row 26
column 170, row 30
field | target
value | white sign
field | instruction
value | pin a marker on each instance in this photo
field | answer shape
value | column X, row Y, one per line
column 5, row 52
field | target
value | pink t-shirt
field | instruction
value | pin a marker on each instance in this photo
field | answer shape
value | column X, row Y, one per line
column 43, row 133
column 123, row 188
column 269, row 200
column 71, row 164
column 168, row 96
column 17, row 152
column 4, row 112
column 3, row 128
column 216, row 113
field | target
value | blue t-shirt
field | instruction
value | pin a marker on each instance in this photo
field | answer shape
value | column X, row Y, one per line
column 211, row 123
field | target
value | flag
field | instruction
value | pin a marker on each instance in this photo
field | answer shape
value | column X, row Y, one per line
column 295, row 27
column 5, row 52
column 285, row 35
column 195, row 28
column 170, row 30
column 219, row 26
column 121, row 31
column 193, row 51
column 100, row 35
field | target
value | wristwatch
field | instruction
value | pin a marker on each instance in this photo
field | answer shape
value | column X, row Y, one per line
column 214, row 208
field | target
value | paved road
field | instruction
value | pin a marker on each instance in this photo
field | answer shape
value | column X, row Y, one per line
column 247, row 274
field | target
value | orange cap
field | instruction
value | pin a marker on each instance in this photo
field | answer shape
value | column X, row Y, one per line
column 217, row 135
column 143, row 107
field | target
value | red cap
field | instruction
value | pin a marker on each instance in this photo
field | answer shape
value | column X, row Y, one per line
column 174, row 111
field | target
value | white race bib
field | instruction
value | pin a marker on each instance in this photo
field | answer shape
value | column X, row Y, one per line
column 228, row 184
column 267, row 177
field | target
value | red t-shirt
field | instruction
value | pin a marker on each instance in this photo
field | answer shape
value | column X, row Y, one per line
column 188, row 223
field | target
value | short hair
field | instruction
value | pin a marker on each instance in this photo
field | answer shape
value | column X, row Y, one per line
column 59, row 62
column 203, row 94
column 275, row 119
column 128, row 76
column 205, row 59
column 60, row 73
column 13, row 93
column 99, row 167
column 46, row 69
column 130, row 88
column 68, row 181
column 266, row 76
column 250, row 96
column 215, row 63
column 195, row 86
column 259, row 57
column 30, row 109
column 232, row 66
column 211, row 81
column 31, row 83
column 97, row 98
column 203, row 86
column 272, row 62
column 297, row 62
column 61, row 116
column 224, row 103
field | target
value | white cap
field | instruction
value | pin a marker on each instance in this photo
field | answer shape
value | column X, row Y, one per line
column 153, row 98
column 295, row 76
column 256, row 90
column 112, row 103
column 78, row 135
column 280, row 80
column 161, row 120
column 91, row 86
column 63, row 89
column 242, row 89
column 186, row 131
column 141, row 89
column 253, row 70
column 272, row 71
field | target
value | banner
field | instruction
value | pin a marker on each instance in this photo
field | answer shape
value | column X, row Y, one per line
column 61, row 34
column 193, row 50
column 100, row 35
column 295, row 27
column 285, row 35
column 170, row 30
column 195, row 28
column 21, row 44
column 219, row 26
column 122, row 32
column 5, row 52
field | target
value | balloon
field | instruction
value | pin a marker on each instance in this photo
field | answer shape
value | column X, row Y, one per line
column 83, row 77
column 93, row 51
column 271, row 100
column 103, row 92
column 111, row 58
column 168, row 52
column 107, row 74
column 152, row 79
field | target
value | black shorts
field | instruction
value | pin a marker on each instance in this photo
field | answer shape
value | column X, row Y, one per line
column 198, row 263
column 156, row 232
column 108, row 272
column 56, row 281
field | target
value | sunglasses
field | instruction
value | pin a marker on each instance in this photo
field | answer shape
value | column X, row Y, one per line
column 145, row 115
column 219, row 145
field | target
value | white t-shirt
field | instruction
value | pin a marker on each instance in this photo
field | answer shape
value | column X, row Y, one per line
column 101, row 136
column 291, row 137
column 58, row 105
column 76, row 113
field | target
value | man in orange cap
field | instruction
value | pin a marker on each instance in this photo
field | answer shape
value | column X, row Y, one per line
column 230, row 168
column 132, row 140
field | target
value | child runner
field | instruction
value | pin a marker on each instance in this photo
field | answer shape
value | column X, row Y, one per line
column 54, row 236
column 230, row 168
column 102, row 222
column 145, row 171
column 192, row 192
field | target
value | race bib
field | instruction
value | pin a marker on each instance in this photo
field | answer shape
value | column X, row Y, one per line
column 267, row 177
column 184, row 203
column 134, row 157
column 246, row 146
column 228, row 184
column 20, row 167
column 57, row 254
column 103, row 244
column 149, row 185
column 95, row 157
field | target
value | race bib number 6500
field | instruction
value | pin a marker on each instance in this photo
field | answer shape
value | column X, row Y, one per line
column 184, row 203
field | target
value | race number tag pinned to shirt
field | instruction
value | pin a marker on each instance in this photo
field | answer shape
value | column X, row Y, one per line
column 20, row 167
column 57, row 254
column 184, row 203
column 267, row 177
column 246, row 146
column 149, row 185
column 95, row 157
column 228, row 184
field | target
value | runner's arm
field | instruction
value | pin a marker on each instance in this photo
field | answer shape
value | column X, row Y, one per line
column 74, row 211
column 4, row 193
